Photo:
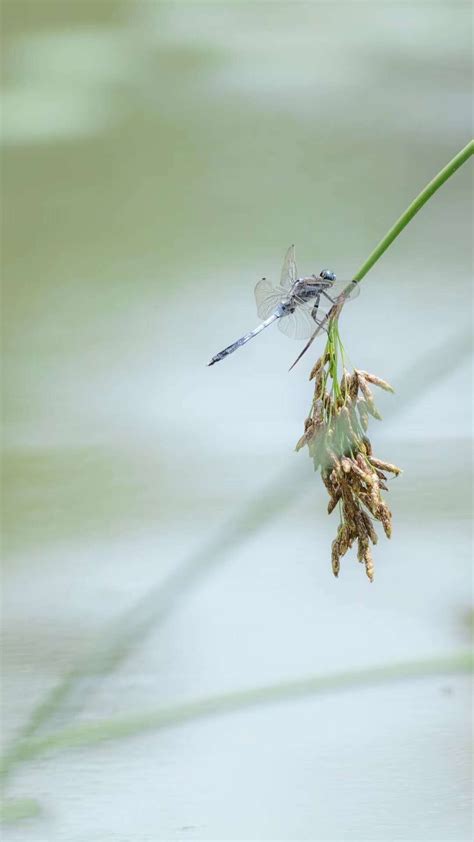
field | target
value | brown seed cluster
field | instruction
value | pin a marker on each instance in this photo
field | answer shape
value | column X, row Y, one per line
column 336, row 436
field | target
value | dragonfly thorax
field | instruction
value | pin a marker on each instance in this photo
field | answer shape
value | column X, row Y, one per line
column 307, row 288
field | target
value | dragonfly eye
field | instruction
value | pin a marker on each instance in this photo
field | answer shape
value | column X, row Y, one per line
column 327, row 275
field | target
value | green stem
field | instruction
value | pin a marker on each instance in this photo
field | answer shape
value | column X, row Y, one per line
column 415, row 206
column 112, row 729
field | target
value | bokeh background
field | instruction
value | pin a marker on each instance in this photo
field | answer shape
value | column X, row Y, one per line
column 163, row 543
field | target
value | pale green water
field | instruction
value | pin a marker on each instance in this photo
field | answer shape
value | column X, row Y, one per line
column 158, row 159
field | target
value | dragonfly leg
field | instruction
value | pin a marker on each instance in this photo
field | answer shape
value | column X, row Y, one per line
column 314, row 311
column 321, row 325
column 328, row 297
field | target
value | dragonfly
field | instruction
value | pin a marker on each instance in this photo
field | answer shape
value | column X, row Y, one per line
column 297, row 304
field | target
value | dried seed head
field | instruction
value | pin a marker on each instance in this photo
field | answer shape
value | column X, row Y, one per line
column 334, row 476
column 369, row 527
column 353, row 386
column 385, row 466
column 354, row 478
column 333, row 502
column 336, row 566
column 377, row 381
column 343, row 539
column 328, row 403
column 326, row 478
column 345, row 384
column 362, row 547
column 316, row 367
column 319, row 364
column 369, row 398
column 308, row 435
column 385, row 516
column 362, row 473
column 301, row 442
column 318, row 384
column 367, row 445
column 362, row 463
column 369, row 564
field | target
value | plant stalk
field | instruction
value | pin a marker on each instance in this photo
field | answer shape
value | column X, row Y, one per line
column 415, row 206
column 92, row 733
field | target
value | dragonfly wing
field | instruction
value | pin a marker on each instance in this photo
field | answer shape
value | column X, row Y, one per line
column 288, row 271
column 352, row 287
column 267, row 298
column 324, row 317
column 300, row 324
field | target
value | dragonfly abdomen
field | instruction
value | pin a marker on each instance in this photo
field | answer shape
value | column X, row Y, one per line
column 247, row 336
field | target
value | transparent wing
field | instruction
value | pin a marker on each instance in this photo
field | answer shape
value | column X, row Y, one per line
column 288, row 270
column 339, row 286
column 300, row 324
column 267, row 298
column 322, row 316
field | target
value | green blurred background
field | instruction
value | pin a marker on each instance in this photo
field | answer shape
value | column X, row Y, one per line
column 159, row 158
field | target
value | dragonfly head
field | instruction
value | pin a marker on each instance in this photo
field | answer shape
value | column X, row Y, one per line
column 327, row 275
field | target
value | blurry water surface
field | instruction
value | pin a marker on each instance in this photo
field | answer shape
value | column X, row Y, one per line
column 158, row 160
